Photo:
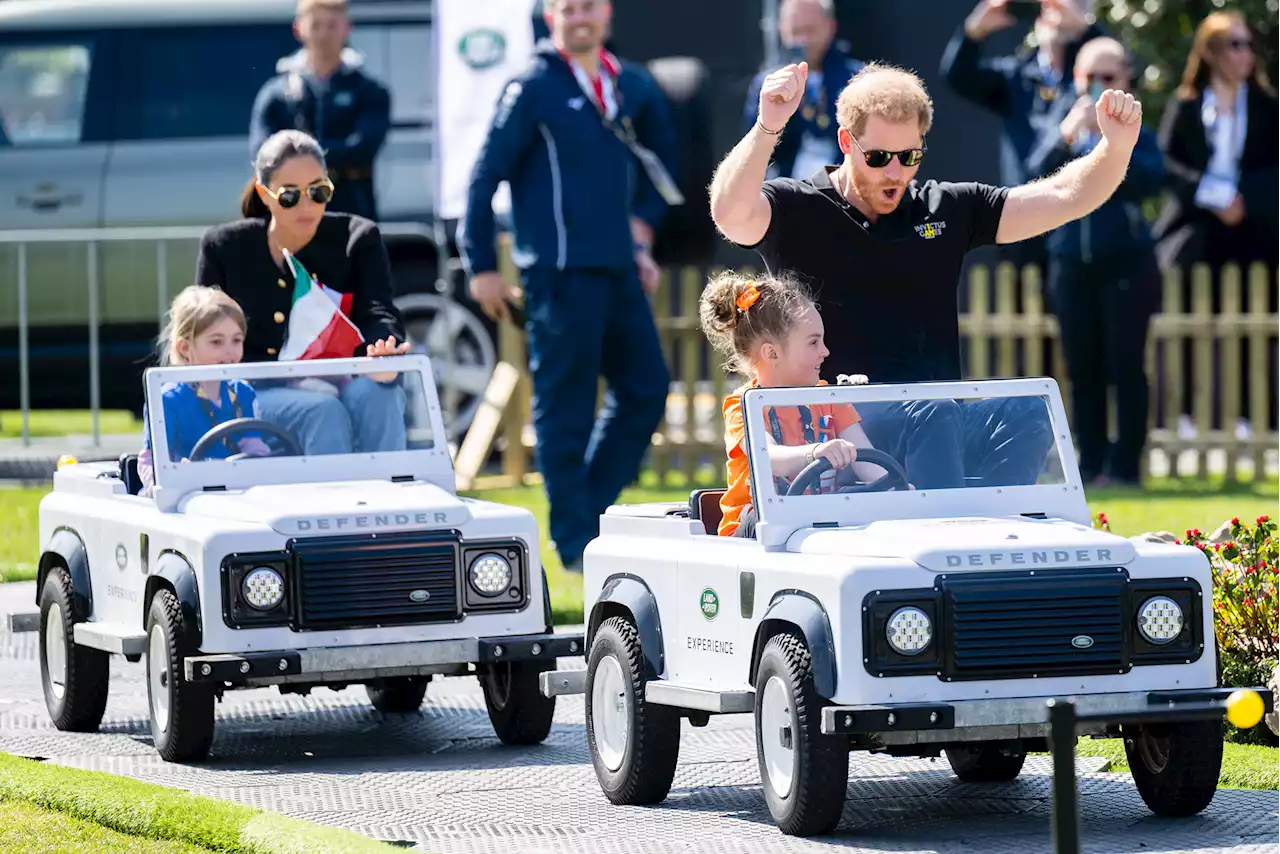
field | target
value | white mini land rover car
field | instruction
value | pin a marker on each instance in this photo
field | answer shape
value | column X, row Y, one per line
column 243, row 571
column 881, row 616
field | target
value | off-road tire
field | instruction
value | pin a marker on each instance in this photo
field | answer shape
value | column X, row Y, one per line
column 1180, row 777
column 653, row 740
column 88, row 671
column 985, row 763
column 398, row 695
column 189, row 730
column 520, row 713
column 820, row 774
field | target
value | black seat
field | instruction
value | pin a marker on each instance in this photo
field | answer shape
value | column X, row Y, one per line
column 129, row 473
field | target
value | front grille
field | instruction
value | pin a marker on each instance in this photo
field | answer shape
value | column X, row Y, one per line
column 1013, row 625
column 363, row 581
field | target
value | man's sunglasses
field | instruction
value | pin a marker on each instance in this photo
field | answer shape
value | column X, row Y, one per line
column 1104, row 79
column 288, row 196
column 878, row 158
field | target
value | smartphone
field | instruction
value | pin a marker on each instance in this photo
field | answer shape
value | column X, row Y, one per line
column 1023, row 11
column 793, row 54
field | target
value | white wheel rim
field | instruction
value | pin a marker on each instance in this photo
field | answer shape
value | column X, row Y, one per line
column 159, row 676
column 610, row 712
column 775, row 715
column 55, row 651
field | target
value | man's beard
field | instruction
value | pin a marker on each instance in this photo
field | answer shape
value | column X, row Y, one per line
column 872, row 192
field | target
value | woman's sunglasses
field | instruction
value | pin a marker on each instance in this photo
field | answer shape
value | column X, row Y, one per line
column 288, row 196
column 878, row 158
column 1240, row 44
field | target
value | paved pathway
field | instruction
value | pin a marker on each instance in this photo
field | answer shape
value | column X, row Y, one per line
column 439, row 781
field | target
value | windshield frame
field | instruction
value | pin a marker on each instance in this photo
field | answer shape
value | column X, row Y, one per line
column 779, row 517
column 175, row 480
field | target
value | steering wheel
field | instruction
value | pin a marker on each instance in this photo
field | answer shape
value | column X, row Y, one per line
column 896, row 477
column 244, row 425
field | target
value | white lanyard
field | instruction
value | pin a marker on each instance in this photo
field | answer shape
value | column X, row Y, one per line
column 607, row 87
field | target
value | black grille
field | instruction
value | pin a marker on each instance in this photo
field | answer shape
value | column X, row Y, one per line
column 362, row 581
column 1012, row 625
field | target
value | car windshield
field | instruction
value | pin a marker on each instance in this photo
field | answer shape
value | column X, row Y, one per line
column 254, row 414
column 850, row 444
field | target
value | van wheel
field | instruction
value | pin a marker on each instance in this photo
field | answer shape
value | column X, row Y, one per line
column 804, row 773
column 74, row 677
column 181, row 711
column 397, row 695
column 986, row 763
column 1175, row 766
column 634, row 744
column 518, row 710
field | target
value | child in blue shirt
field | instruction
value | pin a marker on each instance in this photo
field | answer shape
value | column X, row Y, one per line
column 206, row 327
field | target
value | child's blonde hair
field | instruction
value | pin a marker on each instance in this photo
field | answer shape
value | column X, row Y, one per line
column 737, row 312
column 193, row 311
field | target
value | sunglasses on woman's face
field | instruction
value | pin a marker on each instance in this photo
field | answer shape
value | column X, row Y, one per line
column 1240, row 44
column 288, row 196
column 878, row 158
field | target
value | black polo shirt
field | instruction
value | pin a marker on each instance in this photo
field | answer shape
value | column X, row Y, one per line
column 886, row 290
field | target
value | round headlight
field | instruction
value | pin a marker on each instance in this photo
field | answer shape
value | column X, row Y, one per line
column 490, row 574
column 909, row 631
column 1160, row 619
column 263, row 588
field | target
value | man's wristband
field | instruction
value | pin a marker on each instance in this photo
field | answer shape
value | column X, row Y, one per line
column 766, row 130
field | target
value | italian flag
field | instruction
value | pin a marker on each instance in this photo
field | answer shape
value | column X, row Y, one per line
column 319, row 326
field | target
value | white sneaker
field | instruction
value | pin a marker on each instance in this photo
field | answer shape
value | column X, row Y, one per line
column 1244, row 430
column 1186, row 427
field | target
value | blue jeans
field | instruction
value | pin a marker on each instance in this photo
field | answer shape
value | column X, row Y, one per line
column 365, row 416
column 996, row 442
column 581, row 325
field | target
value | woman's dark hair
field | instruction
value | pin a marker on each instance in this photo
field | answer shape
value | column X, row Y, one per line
column 280, row 147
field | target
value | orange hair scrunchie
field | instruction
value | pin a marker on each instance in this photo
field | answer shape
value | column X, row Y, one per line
column 748, row 297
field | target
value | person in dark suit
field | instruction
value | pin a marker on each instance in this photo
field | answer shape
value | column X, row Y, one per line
column 1219, row 136
column 284, row 209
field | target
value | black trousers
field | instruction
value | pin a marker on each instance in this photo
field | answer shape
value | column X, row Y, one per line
column 1104, row 311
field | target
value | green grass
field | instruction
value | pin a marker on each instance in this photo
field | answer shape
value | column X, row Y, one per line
column 154, row 812
column 51, row 422
column 26, row 829
column 1244, row 766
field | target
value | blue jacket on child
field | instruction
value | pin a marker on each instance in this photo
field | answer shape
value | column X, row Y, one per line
column 189, row 414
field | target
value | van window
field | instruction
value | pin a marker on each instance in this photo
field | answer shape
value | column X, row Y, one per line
column 197, row 82
column 42, row 93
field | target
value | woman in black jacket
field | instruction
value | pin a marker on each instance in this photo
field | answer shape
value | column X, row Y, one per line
column 284, row 209
column 1219, row 136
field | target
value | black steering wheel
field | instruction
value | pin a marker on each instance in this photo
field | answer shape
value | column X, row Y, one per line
column 895, row 479
column 245, row 425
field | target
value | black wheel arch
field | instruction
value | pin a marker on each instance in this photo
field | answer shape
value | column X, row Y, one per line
column 627, row 596
column 66, row 550
column 804, row 613
column 174, row 572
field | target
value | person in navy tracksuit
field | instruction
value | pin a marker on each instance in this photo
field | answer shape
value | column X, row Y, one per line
column 587, row 147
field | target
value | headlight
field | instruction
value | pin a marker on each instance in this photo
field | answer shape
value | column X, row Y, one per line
column 263, row 588
column 490, row 574
column 909, row 631
column 1160, row 619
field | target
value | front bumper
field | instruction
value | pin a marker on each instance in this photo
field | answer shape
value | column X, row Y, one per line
column 1024, row 717
column 378, row 661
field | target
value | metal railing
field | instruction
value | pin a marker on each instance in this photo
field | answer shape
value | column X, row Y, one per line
column 91, row 238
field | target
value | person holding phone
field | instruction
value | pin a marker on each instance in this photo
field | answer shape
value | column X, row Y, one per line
column 1104, row 283
column 807, row 29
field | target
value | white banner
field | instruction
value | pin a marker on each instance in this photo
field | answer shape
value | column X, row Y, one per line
column 481, row 44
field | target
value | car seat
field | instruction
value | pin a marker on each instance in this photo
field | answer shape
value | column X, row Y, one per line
column 704, row 505
column 129, row 473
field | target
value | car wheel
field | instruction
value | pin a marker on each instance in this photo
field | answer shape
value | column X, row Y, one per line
column 634, row 744
column 398, row 695
column 986, row 763
column 181, row 711
column 74, row 677
column 804, row 773
column 518, row 710
column 1175, row 766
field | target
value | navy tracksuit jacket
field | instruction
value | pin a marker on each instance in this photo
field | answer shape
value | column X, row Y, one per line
column 574, row 187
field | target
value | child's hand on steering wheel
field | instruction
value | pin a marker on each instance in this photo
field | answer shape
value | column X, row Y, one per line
column 839, row 452
column 386, row 347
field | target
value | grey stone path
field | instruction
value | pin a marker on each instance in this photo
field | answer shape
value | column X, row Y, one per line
column 439, row 781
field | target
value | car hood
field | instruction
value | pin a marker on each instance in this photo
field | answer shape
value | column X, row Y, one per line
column 972, row 543
column 325, row 509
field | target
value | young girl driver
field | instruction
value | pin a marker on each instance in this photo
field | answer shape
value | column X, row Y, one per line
column 770, row 330
column 206, row 327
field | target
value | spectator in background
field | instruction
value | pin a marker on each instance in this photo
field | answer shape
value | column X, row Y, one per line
column 1219, row 136
column 587, row 147
column 807, row 29
column 1103, row 279
column 322, row 91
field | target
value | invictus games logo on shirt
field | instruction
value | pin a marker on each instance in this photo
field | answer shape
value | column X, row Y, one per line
column 482, row 48
column 709, row 602
column 930, row 230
